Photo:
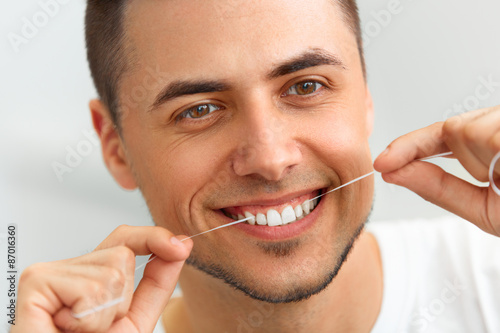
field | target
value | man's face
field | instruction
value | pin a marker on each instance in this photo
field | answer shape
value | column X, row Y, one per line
column 262, row 106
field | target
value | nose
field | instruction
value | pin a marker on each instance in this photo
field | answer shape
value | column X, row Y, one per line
column 267, row 147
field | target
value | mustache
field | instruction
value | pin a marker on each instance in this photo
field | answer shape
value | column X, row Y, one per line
column 225, row 190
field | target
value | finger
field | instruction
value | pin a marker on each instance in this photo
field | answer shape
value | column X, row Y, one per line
column 496, row 143
column 122, row 259
column 409, row 147
column 146, row 240
column 154, row 290
column 107, row 286
column 467, row 136
column 480, row 137
column 434, row 185
column 55, row 292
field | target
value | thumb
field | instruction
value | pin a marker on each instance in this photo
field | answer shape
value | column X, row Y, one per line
column 442, row 189
column 156, row 287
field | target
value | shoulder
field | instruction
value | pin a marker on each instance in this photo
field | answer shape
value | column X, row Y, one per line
column 448, row 236
column 438, row 272
column 448, row 246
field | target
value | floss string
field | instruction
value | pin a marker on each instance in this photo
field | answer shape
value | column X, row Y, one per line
column 121, row 299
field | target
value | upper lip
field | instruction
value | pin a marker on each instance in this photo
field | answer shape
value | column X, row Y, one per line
column 275, row 201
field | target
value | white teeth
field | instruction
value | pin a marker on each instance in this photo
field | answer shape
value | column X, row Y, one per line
column 261, row 219
column 252, row 220
column 273, row 218
column 288, row 215
column 298, row 211
column 306, row 207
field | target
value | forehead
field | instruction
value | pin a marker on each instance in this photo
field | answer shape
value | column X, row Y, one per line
column 220, row 37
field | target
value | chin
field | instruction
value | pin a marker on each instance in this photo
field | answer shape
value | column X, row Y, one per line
column 284, row 274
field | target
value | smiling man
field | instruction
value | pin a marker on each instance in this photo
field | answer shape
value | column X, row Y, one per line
column 251, row 120
column 220, row 110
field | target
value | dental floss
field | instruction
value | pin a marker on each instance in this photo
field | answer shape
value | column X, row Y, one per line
column 153, row 257
column 434, row 156
column 201, row 233
column 490, row 173
column 371, row 173
column 99, row 308
column 121, row 299
column 343, row 185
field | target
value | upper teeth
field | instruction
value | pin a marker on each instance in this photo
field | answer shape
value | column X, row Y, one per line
column 273, row 218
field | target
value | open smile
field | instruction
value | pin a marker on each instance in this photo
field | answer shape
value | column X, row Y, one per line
column 278, row 214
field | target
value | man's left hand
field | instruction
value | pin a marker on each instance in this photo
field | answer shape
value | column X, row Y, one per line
column 474, row 139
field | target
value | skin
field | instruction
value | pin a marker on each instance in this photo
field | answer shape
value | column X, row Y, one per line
column 265, row 142
column 474, row 139
column 295, row 142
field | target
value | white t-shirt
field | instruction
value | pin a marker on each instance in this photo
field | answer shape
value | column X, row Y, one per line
column 440, row 276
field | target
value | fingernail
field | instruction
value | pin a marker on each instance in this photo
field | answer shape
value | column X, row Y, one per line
column 385, row 152
column 175, row 241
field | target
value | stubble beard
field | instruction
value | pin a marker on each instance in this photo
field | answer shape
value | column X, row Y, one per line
column 280, row 250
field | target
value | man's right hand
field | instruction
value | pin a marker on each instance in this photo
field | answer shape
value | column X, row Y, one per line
column 50, row 293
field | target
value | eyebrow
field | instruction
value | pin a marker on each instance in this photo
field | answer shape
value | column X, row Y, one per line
column 309, row 58
column 182, row 88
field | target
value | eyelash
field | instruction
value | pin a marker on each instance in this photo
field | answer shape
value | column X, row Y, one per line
column 187, row 114
column 317, row 86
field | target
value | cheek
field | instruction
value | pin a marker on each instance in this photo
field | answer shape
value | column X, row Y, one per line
column 186, row 169
column 171, row 173
column 339, row 136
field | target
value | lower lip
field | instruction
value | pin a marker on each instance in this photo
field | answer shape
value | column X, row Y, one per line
column 288, row 231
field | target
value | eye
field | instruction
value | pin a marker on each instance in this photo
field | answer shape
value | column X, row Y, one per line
column 198, row 111
column 304, row 88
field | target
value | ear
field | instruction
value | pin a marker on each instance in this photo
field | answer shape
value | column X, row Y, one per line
column 369, row 111
column 113, row 150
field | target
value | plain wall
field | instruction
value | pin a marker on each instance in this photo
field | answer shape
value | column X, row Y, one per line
column 424, row 62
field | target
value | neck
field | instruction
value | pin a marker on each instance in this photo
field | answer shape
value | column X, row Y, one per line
column 351, row 303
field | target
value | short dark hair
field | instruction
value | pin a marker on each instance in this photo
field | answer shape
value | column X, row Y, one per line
column 109, row 58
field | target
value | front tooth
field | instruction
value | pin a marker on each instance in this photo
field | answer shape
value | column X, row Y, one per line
column 261, row 219
column 306, row 207
column 273, row 218
column 298, row 211
column 288, row 215
column 252, row 220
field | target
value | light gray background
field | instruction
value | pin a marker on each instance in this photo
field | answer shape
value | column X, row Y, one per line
column 428, row 58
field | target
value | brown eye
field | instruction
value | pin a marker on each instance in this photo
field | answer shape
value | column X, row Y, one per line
column 304, row 88
column 199, row 111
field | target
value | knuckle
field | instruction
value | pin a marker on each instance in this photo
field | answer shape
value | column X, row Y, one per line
column 122, row 252
column 32, row 272
column 116, row 280
column 452, row 126
column 472, row 133
column 121, row 229
column 123, row 256
column 94, row 288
